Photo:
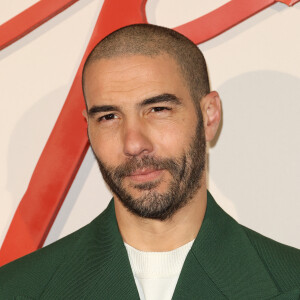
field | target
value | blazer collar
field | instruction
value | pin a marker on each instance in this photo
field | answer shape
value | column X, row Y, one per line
column 223, row 262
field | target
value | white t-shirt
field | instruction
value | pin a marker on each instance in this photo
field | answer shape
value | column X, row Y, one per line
column 156, row 273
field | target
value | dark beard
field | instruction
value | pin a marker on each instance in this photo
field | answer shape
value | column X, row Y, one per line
column 186, row 173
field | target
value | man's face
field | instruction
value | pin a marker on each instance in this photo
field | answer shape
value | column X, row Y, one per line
column 146, row 133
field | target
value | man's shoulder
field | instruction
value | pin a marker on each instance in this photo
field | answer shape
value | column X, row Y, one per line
column 39, row 266
column 281, row 261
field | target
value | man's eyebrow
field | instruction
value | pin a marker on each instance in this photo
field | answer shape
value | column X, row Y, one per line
column 161, row 98
column 102, row 108
column 153, row 100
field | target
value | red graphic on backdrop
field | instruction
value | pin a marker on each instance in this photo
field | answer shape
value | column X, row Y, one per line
column 30, row 19
column 223, row 18
column 64, row 151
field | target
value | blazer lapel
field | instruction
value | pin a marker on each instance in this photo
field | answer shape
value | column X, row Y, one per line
column 222, row 263
column 98, row 267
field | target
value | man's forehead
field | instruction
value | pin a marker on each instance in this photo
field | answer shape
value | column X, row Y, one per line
column 127, row 69
column 119, row 60
column 132, row 77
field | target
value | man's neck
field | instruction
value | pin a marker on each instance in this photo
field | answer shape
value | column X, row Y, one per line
column 157, row 236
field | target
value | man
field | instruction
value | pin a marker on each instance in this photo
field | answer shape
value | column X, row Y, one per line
column 150, row 113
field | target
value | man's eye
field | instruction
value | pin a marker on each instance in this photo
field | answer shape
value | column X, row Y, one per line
column 158, row 109
column 107, row 117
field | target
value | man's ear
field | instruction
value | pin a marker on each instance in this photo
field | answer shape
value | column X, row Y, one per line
column 84, row 113
column 211, row 111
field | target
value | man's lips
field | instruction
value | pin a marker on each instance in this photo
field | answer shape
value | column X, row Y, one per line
column 144, row 175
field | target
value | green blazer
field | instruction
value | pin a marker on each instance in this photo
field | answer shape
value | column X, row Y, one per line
column 226, row 261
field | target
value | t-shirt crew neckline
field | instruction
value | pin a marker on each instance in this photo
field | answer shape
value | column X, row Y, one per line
column 157, row 264
column 156, row 273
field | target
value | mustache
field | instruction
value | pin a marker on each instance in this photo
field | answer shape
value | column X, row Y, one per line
column 134, row 164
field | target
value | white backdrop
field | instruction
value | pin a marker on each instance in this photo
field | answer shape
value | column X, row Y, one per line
column 254, row 165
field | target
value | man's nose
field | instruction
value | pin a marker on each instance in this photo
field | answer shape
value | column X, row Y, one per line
column 136, row 139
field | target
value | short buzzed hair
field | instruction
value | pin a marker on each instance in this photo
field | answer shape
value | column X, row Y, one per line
column 152, row 40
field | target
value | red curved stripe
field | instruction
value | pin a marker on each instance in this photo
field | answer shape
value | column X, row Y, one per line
column 221, row 19
column 224, row 18
column 31, row 18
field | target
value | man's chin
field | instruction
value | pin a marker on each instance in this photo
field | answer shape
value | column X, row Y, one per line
column 147, row 186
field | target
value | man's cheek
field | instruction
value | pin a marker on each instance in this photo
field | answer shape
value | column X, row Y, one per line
column 105, row 148
column 171, row 143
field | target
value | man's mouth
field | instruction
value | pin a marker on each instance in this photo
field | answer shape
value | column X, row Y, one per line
column 145, row 174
